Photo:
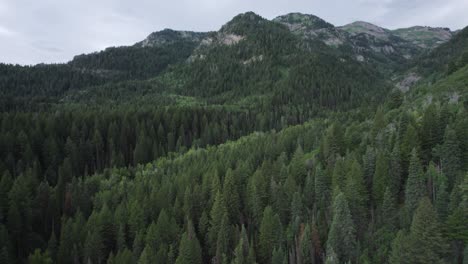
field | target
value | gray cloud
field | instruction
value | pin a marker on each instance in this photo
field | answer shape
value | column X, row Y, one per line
column 56, row 30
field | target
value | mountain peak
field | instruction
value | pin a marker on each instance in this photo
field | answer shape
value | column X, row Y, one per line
column 358, row 27
column 242, row 23
column 169, row 36
column 306, row 20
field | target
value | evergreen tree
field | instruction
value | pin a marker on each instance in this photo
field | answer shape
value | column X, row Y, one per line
column 297, row 166
column 93, row 248
column 416, row 184
column 148, row 256
column 278, row 256
column 427, row 244
column 400, row 249
column 241, row 253
column 381, row 178
column 356, row 195
column 231, row 196
column 217, row 213
column 39, row 258
column 270, row 235
column 395, row 170
column 342, row 234
column 52, row 246
column 189, row 249
column 450, row 156
column 222, row 242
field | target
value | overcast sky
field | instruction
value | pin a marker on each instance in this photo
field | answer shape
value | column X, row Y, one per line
column 34, row 31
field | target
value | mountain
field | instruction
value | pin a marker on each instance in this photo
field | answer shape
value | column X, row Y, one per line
column 310, row 26
column 424, row 37
column 169, row 36
column 267, row 141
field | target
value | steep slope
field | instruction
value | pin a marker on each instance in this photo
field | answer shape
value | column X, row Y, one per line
column 169, row 36
column 312, row 27
column 424, row 37
column 264, row 58
column 446, row 57
column 379, row 46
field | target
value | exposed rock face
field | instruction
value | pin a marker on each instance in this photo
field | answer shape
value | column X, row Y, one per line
column 405, row 84
column 360, row 27
column 312, row 27
column 253, row 59
column 424, row 37
column 364, row 41
column 230, row 39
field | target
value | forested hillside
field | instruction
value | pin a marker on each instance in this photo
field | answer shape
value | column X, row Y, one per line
column 269, row 141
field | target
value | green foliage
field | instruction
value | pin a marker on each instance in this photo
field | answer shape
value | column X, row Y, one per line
column 342, row 234
column 279, row 148
column 269, row 235
column 39, row 258
column 416, row 184
column 189, row 249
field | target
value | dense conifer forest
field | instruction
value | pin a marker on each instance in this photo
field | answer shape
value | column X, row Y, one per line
column 257, row 143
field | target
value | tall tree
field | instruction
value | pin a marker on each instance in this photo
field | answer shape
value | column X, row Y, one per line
column 416, row 184
column 427, row 244
column 189, row 250
column 270, row 235
column 342, row 234
column 381, row 178
column 450, row 156
column 231, row 196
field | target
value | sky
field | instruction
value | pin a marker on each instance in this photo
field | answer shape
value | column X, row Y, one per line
column 53, row 31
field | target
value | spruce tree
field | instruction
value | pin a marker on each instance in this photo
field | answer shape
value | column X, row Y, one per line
column 450, row 156
column 216, row 216
column 342, row 234
column 356, row 195
column 381, row 178
column 427, row 244
column 416, row 184
column 270, row 235
column 231, row 196
column 189, row 249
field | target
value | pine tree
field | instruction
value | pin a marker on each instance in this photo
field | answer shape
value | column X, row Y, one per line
column 147, row 256
column 339, row 175
column 427, row 244
column 440, row 196
column 231, row 196
column 381, row 178
column 217, row 213
column 450, row 156
column 241, row 253
column 388, row 211
column 93, row 248
column 307, row 250
column 369, row 167
column 429, row 132
column 416, row 185
column 52, row 246
column 189, row 249
column 278, row 256
column 356, row 195
column 297, row 166
column 342, row 234
column 64, row 254
column 123, row 257
column 222, row 242
column 39, row 258
column 400, row 249
column 395, row 170
column 270, row 235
